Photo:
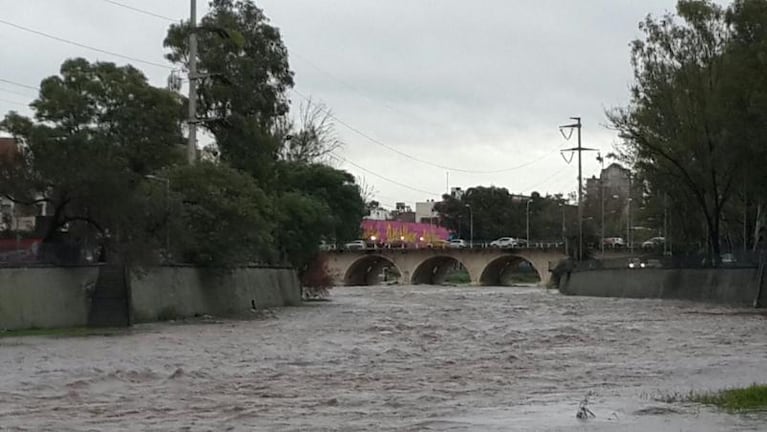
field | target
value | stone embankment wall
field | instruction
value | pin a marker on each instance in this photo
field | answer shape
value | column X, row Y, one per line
column 734, row 286
column 52, row 297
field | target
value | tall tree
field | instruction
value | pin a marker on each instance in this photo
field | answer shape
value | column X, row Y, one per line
column 682, row 125
column 246, row 75
column 98, row 130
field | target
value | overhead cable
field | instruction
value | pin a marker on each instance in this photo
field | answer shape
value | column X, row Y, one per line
column 88, row 47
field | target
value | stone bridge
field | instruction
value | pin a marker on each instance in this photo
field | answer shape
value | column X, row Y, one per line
column 486, row 266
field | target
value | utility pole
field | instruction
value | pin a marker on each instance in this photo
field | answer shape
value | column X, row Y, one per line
column 580, row 149
column 191, row 148
column 602, row 199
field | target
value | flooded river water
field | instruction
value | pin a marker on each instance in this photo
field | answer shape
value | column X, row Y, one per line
column 397, row 359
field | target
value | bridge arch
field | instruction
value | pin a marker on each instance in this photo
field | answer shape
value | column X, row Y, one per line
column 368, row 270
column 433, row 270
column 503, row 269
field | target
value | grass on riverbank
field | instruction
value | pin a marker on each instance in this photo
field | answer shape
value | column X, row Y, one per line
column 62, row 332
column 753, row 397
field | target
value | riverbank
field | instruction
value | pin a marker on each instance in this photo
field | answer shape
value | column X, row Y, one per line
column 733, row 286
column 65, row 297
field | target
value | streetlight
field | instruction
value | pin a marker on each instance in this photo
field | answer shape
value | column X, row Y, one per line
column 471, row 225
column 167, row 207
column 564, row 226
column 527, row 221
column 602, row 199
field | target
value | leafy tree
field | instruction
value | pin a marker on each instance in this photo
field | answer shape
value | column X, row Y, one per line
column 223, row 218
column 98, row 130
column 336, row 190
column 682, row 126
column 246, row 75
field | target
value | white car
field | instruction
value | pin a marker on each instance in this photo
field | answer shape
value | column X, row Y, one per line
column 457, row 244
column 356, row 244
column 505, row 242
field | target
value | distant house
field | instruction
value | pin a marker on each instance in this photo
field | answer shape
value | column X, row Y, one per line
column 425, row 213
column 378, row 214
column 14, row 217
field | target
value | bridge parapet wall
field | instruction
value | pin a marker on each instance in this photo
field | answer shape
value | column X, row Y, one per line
column 344, row 265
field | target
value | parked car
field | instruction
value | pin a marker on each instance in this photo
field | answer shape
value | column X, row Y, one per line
column 439, row 244
column 356, row 244
column 614, row 242
column 728, row 259
column 653, row 243
column 505, row 242
column 457, row 244
column 325, row 246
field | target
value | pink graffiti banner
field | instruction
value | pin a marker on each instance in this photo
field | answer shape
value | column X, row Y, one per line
column 378, row 231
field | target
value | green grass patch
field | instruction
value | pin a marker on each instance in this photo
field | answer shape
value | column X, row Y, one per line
column 63, row 332
column 753, row 397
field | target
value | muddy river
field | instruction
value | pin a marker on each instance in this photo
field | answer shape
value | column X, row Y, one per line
column 397, row 359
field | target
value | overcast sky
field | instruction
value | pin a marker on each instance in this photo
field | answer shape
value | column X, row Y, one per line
column 473, row 86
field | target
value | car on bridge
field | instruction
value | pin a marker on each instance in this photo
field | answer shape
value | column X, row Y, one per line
column 614, row 242
column 506, row 242
column 653, row 243
column 457, row 244
column 356, row 244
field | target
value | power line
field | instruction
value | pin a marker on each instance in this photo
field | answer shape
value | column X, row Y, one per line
column 409, row 156
column 18, row 84
column 77, row 44
column 141, row 11
column 14, row 102
column 14, row 92
column 406, row 186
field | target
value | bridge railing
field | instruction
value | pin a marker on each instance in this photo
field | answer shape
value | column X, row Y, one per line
column 476, row 245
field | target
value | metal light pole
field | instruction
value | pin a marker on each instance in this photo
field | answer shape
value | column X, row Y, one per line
column 471, row 225
column 527, row 222
column 191, row 147
column 564, row 226
column 167, row 206
column 665, row 224
column 628, row 220
column 602, row 199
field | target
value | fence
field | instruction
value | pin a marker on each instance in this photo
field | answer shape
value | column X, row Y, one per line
column 32, row 251
column 747, row 259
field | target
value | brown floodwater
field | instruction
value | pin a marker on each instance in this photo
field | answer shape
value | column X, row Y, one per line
column 397, row 358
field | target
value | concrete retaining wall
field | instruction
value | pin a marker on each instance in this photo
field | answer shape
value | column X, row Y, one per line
column 52, row 297
column 178, row 292
column 736, row 286
column 45, row 297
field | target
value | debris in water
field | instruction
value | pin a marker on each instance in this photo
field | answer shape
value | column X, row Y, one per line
column 584, row 413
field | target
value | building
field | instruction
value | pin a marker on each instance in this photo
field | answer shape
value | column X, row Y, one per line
column 403, row 213
column 15, row 217
column 457, row 193
column 425, row 213
column 378, row 213
column 615, row 179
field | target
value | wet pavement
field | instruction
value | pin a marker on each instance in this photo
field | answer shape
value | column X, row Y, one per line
column 397, row 359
